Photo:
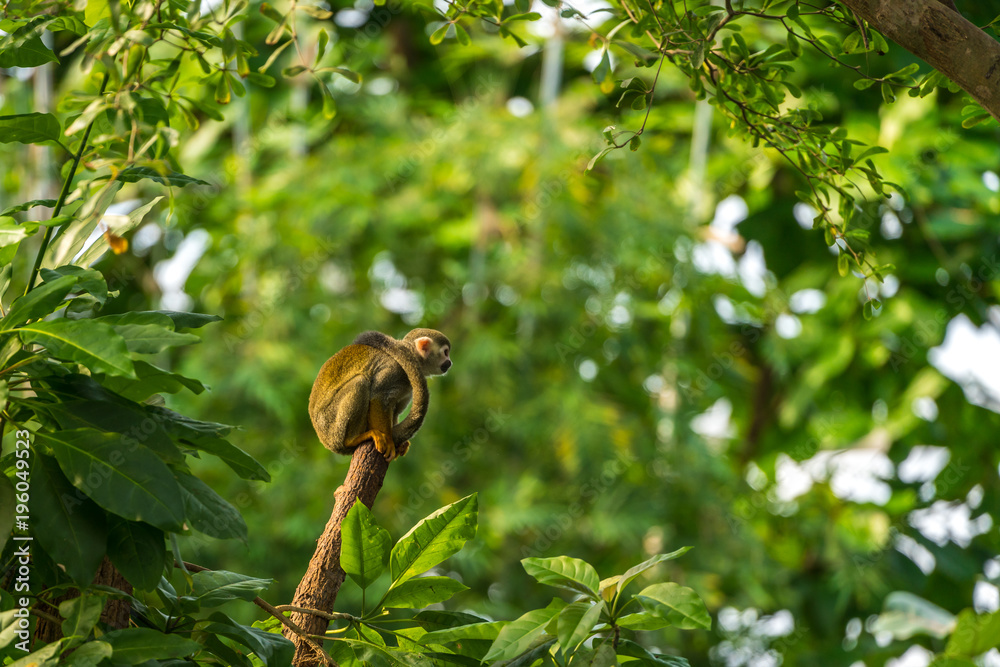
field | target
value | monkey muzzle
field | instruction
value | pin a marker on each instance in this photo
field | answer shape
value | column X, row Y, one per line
column 445, row 366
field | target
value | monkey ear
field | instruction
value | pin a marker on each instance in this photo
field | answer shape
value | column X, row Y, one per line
column 423, row 345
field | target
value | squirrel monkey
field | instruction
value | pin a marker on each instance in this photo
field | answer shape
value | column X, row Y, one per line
column 361, row 391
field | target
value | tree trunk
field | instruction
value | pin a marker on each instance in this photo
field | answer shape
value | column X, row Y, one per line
column 321, row 583
column 944, row 39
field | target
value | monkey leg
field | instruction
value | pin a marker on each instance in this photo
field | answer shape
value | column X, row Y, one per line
column 380, row 425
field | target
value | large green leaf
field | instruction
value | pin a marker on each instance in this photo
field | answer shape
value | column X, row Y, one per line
column 133, row 646
column 138, row 550
column 636, row 570
column 518, row 636
column 150, row 380
column 643, row 620
column 357, row 652
column 135, row 174
column 24, row 48
column 211, row 588
column 92, row 344
column 39, row 302
column 81, row 614
column 564, row 572
column 11, row 234
column 150, row 338
column 88, row 655
column 270, row 647
column 189, row 320
column 90, row 281
column 675, row 603
column 420, row 592
column 974, row 634
column 70, row 527
column 127, row 480
column 474, row 631
column 434, row 539
column 130, row 421
column 24, row 206
column 633, row 650
column 208, row 512
column 575, row 623
column 364, row 547
column 29, row 128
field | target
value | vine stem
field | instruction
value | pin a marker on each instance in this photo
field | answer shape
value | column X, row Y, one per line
column 63, row 194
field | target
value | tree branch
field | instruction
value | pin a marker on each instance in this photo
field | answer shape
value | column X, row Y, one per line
column 944, row 39
column 321, row 583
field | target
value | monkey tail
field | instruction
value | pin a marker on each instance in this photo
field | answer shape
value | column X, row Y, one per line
column 405, row 429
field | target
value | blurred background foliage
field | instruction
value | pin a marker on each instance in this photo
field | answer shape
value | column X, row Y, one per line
column 654, row 354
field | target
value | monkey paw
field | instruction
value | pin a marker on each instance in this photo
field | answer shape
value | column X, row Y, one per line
column 402, row 448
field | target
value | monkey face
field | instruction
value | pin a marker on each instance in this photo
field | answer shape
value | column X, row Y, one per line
column 434, row 352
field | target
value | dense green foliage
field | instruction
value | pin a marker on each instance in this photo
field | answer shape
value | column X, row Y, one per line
column 629, row 379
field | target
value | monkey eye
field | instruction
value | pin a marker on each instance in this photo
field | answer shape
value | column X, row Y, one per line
column 446, row 351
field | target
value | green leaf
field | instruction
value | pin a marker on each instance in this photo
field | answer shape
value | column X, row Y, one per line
column 843, row 264
column 151, row 380
column 597, row 158
column 794, row 47
column 364, row 550
column 81, row 614
column 864, row 84
column 130, row 481
column 603, row 69
column 350, row 75
column 329, row 104
column 887, row 94
column 88, row 655
column 12, row 233
column 631, row 649
column 434, row 539
column 90, row 281
column 474, row 631
column 211, row 588
column 208, row 512
column 575, row 623
column 518, row 636
column 438, row 35
column 270, row 647
column 643, row 620
column 420, row 592
column 635, row 142
column 564, row 572
column 24, row 48
column 136, row 174
column 29, row 128
column 636, row 570
column 974, row 633
column 70, row 527
column 463, row 35
column 188, row 320
column 293, row 71
column 675, row 603
column 133, row 646
column 93, row 344
column 17, row 208
column 528, row 16
column 152, row 338
column 321, row 43
column 138, row 550
column 39, row 302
